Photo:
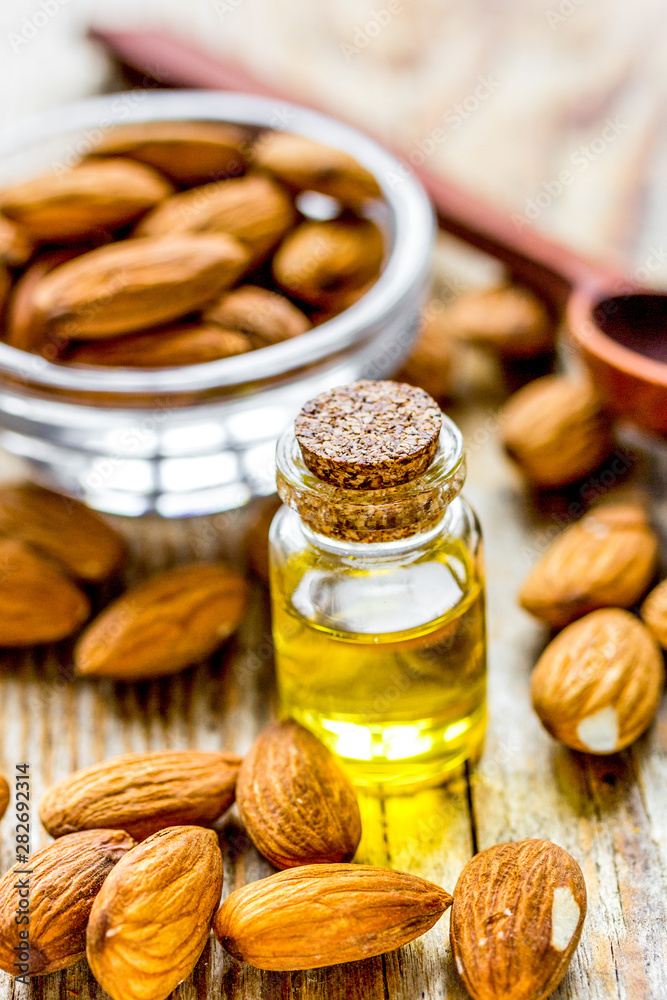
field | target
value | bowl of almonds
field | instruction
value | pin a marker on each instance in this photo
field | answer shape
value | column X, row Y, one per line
column 179, row 272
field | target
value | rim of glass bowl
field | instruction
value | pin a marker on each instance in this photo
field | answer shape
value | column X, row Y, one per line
column 407, row 265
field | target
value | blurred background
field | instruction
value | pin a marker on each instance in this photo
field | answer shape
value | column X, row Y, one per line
column 505, row 96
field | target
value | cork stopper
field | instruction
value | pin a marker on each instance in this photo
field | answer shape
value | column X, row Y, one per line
column 386, row 467
column 369, row 435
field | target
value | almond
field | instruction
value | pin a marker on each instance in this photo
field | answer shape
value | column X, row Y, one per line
column 38, row 603
column 306, row 165
column 254, row 209
column 321, row 260
column 134, row 284
column 516, row 920
column 306, row 918
column 430, row 363
column 556, row 430
column 188, row 152
column 16, row 247
column 605, row 560
column 598, row 684
column 143, row 793
column 168, row 622
column 507, row 318
column 62, row 529
column 169, row 347
column 5, row 287
column 654, row 613
column 152, row 918
column 59, row 886
column 296, row 802
column 265, row 316
column 4, row 796
column 102, row 194
column 24, row 328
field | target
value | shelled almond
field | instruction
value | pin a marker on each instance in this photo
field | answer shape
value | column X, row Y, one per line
column 62, row 880
column 597, row 685
column 4, row 796
column 654, row 613
column 606, row 559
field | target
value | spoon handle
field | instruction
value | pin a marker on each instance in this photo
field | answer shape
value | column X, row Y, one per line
column 549, row 268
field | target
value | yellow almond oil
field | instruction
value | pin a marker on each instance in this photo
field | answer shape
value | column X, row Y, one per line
column 383, row 656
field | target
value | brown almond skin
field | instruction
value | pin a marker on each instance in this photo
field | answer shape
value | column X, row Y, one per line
column 143, row 793
column 101, row 194
column 507, row 318
column 4, row 796
column 170, row 347
column 64, row 880
column 430, row 364
column 152, row 918
column 63, row 529
column 134, row 284
column 321, row 260
column 319, row 915
column 38, row 603
column 5, row 287
column 654, row 613
column 265, row 316
column 296, row 802
column 187, row 152
column 504, row 943
column 306, row 165
column 606, row 559
column 16, row 247
column 168, row 622
column 254, row 209
column 556, row 430
column 609, row 663
column 23, row 327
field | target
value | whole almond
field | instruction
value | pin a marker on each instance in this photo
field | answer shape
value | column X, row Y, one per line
column 101, row 194
column 143, row 793
column 59, row 885
column 507, row 318
column 265, row 316
column 598, row 684
column 4, row 796
column 654, row 613
column 168, row 622
column 5, row 287
column 38, row 603
column 429, row 366
column 320, row 260
column 16, row 247
column 168, row 347
column 152, row 918
column 188, row 152
column 297, row 804
column 516, row 921
column 556, row 430
column 304, row 164
column 61, row 528
column 134, row 284
column 254, row 209
column 605, row 560
column 24, row 328
column 318, row 915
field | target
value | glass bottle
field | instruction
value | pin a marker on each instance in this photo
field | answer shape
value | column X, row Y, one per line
column 379, row 619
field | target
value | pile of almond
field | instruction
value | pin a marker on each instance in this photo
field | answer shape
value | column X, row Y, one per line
column 598, row 684
column 52, row 548
column 178, row 243
column 134, row 877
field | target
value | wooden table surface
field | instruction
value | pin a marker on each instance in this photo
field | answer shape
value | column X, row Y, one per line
column 610, row 813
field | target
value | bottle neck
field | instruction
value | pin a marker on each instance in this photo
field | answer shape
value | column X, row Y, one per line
column 381, row 550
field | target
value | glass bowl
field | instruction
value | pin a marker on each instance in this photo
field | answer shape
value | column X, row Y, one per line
column 201, row 439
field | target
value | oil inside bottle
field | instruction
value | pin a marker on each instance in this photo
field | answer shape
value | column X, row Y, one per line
column 386, row 661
